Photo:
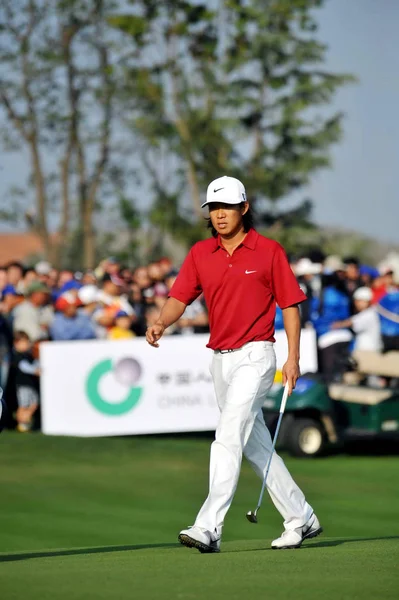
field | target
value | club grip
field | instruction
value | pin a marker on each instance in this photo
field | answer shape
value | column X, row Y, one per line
column 284, row 399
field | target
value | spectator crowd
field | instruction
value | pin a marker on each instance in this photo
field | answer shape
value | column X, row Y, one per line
column 349, row 305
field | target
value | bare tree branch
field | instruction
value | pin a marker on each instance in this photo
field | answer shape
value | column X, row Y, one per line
column 105, row 128
column 185, row 135
column 33, row 140
column 67, row 35
column 16, row 119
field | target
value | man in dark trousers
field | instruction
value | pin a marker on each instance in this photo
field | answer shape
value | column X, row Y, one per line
column 242, row 275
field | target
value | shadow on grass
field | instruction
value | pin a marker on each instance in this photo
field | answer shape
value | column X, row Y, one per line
column 77, row 551
column 340, row 541
column 322, row 544
column 105, row 549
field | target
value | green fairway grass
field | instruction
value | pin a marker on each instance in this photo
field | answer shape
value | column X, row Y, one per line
column 99, row 518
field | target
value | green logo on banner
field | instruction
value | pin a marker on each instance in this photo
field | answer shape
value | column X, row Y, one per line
column 127, row 372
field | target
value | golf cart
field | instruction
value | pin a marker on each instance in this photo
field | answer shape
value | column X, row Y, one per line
column 319, row 415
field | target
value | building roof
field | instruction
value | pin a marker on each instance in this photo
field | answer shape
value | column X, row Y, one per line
column 19, row 247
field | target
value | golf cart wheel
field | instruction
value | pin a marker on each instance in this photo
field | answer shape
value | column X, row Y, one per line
column 306, row 438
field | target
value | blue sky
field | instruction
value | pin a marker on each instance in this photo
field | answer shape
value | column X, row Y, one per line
column 360, row 191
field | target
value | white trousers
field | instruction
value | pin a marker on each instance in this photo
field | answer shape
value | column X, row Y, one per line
column 241, row 380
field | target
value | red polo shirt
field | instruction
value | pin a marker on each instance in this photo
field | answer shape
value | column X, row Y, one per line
column 240, row 290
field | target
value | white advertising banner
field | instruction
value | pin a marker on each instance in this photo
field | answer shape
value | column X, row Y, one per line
column 105, row 388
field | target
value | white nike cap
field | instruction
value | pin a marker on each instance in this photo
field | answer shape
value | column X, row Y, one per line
column 228, row 190
column 363, row 293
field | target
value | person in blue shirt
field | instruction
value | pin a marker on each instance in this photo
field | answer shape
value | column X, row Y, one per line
column 68, row 323
column 388, row 310
column 333, row 344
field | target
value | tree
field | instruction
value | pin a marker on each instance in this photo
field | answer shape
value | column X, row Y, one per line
column 287, row 136
column 240, row 89
column 176, row 98
column 57, row 93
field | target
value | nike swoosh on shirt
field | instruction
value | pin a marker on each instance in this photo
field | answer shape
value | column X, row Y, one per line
column 249, row 272
column 218, row 190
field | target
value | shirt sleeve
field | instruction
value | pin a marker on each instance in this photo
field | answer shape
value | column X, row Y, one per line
column 362, row 321
column 86, row 329
column 29, row 368
column 187, row 286
column 285, row 288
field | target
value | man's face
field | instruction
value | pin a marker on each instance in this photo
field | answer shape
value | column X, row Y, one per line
column 89, row 278
column 112, row 289
column 22, row 345
column 14, row 275
column 154, row 272
column 126, row 275
column 64, row 277
column 227, row 218
column 352, row 271
column 141, row 277
column 39, row 298
column 70, row 311
column 361, row 305
column 123, row 322
column 135, row 292
column 388, row 279
column 52, row 278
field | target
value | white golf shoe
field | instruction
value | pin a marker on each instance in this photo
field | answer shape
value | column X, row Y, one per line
column 203, row 540
column 293, row 538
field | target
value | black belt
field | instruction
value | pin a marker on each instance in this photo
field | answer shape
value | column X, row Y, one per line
column 226, row 351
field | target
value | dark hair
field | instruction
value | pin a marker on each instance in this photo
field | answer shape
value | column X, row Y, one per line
column 247, row 220
column 16, row 264
column 335, row 281
column 351, row 260
column 316, row 255
column 21, row 335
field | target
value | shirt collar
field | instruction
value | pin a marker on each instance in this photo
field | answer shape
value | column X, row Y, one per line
column 249, row 241
column 217, row 244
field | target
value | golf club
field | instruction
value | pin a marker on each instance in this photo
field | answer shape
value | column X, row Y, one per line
column 252, row 516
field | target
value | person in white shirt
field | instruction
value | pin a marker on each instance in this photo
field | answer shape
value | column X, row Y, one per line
column 34, row 315
column 365, row 323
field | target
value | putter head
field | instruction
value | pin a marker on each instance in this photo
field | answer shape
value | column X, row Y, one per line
column 251, row 516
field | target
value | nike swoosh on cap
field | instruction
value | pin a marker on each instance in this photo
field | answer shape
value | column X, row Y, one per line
column 218, row 190
column 249, row 272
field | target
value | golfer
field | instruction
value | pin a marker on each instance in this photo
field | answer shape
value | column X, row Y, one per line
column 242, row 275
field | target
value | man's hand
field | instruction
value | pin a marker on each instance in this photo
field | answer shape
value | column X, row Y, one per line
column 341, row 324
column 171, row 312
column 154, row 333
column 291, row 374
